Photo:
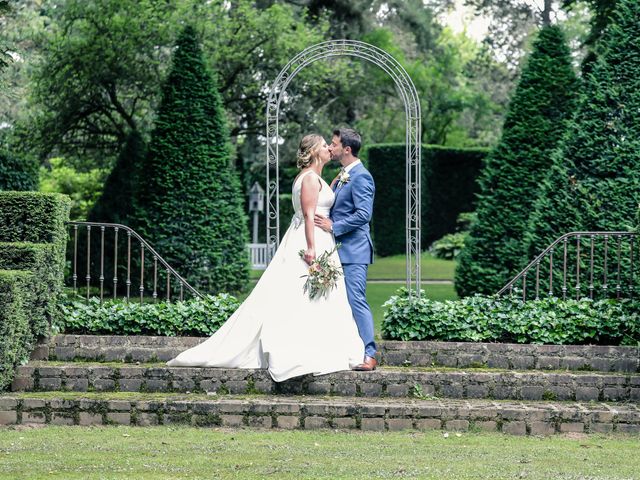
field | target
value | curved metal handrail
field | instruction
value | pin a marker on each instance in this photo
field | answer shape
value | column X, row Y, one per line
column 144, row 245
column 536, row 261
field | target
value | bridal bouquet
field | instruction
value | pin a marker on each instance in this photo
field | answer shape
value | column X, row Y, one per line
column 323, row 274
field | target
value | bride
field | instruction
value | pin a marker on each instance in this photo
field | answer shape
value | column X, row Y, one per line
column 278, row 327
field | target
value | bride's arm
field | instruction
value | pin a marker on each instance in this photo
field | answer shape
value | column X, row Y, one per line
column 308, row 202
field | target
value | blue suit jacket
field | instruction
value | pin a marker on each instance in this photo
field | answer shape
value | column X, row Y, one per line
column 351, row 214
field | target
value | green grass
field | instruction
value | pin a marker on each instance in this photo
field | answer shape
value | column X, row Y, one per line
column 395, row 268
column 182, row 452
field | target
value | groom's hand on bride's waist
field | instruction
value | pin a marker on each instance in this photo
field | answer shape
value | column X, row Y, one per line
column 323, row 222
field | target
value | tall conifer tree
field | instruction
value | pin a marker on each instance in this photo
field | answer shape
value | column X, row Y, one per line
column 543, row 100
column 595, row 181
column 115, row 205
column 190, row 206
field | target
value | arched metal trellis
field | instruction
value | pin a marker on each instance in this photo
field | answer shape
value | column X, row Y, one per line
column 407, row 90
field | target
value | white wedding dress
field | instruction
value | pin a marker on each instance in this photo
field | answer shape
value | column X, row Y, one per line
column 278, row 327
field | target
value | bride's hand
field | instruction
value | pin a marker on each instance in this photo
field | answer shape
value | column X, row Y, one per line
column 309, row 255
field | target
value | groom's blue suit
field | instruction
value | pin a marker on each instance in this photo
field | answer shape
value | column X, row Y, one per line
column 351, row 214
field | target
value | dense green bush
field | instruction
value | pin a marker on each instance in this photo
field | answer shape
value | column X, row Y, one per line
column 83, row 188
column 16, row 337
column 449, row 246
column 33, row 238
column 508, row 319
column 17, row 173
column 448, row 188
column 190, row 207
column 542, row 103
column 40, row 259
column 196, row 317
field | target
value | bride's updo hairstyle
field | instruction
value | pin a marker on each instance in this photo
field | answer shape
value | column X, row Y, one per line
column 308, row 150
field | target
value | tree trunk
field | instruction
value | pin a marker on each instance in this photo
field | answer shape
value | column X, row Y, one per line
column 546, row 13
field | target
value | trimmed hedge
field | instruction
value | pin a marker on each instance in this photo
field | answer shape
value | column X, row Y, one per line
column 42, row 260
column 33, row 238
column 448, row 189
column 34, row 217
column 17, row 173
column 195, row 317
column 508, row 319
column 16, row 337
column 32, row 257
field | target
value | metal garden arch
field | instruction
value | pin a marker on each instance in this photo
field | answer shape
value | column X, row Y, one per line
column 407, row 90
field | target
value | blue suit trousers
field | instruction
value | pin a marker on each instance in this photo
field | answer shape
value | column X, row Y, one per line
column 355, row 276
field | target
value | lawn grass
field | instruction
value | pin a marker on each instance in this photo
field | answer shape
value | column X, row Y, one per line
column 395, row 268
column 182, row 452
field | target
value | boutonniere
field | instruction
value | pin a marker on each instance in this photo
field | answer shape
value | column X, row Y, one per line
column 343, row 177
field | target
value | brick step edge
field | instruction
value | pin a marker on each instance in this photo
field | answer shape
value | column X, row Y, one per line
column 356, row 414
column 425, row 354
column 381, row 383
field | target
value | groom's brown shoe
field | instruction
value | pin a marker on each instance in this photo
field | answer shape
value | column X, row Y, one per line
column 369, row 365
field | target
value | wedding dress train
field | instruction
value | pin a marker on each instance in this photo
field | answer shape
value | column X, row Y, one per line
column 278, row 327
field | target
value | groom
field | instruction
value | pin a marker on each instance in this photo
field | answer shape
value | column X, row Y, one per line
column 349, row 222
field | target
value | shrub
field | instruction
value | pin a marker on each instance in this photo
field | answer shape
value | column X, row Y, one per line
column 42, row 260
column 448, row 188
column 543, row 101
column 16, row 338
column 507, row 319
column 82, row 187
column 33, row 237
column 17, row 173
column 196, row 317
column 449, row 246
column 190, row 207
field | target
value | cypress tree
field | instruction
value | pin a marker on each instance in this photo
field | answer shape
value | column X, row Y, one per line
column 543, row 100
column 190, row 207
column 595, row 181
column 115, row 205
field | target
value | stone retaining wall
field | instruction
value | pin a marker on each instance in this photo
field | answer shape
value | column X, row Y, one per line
column 424, row 354
column 399, row 382
column 512, row 356
column 518, row 419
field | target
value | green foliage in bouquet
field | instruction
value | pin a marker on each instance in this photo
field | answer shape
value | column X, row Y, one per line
column 323, row 275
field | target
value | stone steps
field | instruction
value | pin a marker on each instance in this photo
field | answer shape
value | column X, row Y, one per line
column 398, row 382
column 516, row 389
column 289, row 412
column 418, row 354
